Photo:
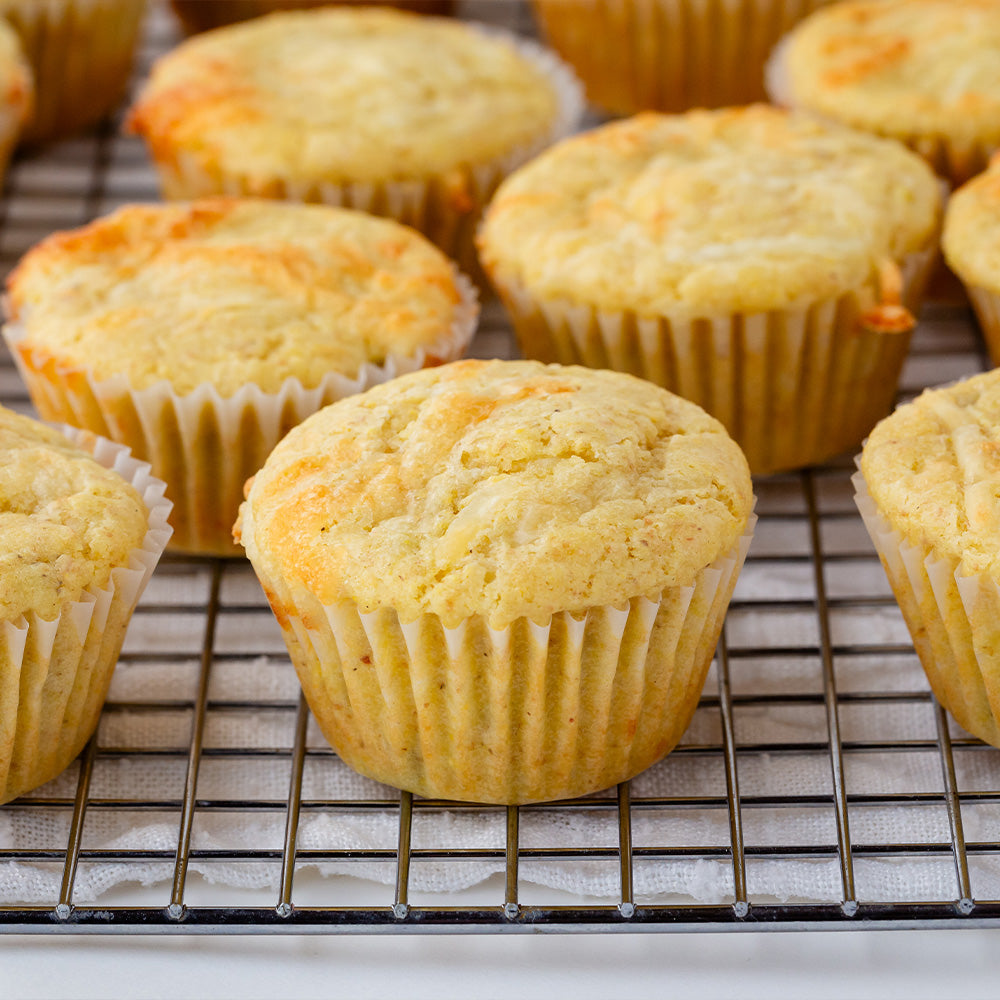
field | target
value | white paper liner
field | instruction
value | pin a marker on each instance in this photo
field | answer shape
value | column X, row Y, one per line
column 428, row 204
column 669, row 55
column 526, row 713
column 793, row 387
column 956, row 161
column 202, row 444
column 11, row 120
column 986, row 304
column 55, row 673
column 953, row 618
column 204, row 15
column 81, row 54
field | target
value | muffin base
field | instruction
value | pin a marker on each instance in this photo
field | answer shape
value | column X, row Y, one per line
column 54, row 675
column 527, row 713
column 953, row 618
column 793, row 387
column 81, row 54
column 669, row 55
column 204, row 445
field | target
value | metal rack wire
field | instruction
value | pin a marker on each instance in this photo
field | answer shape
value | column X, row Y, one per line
column 813, row 676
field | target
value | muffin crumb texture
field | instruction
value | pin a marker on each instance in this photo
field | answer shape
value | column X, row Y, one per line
column 741, row 210
column 231, row 292
column 933, row 470
column 971, row 238
column 501, row 489
column 65, row 521
column 901, row 67
column 343, row 95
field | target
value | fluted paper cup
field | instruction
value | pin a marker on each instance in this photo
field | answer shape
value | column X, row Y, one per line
column 953, row 619
column 54, row 675
column 528, row 713
column 669, row 55
column 986, row 304
column 81, row 53
column 11, row 123
column 203, row 15
column 793, row 387
column 202, row 444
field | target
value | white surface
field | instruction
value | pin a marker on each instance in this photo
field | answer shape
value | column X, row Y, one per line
column 880, row 965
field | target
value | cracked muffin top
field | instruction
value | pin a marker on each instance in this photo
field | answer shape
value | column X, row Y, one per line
column 739, row 210
column 503, row 489
column 232, row 292
column 902, row 68
column 971, row 237
column 65, row 520
column 933, row 469
column 343, row 95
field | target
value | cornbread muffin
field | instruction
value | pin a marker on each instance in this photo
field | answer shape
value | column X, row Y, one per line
column 16, row 93
column 760, row 263
column 81, row 527
column 501, row 581
column 926, row 72
column 81, row 54
column 928, row 493
column 199, row 333
column 971, row 243
column 394, row 113
column 200, row 15
column 669, row 55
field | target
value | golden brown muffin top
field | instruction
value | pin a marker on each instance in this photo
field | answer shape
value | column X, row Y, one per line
column 971, row 238
column 231, row 292
column 502, row 489
column 65, row 520
column 933, row 469
column 900, row 67
column 709, row 212
column 344, row 94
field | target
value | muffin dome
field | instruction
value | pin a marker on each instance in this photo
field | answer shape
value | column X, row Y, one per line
column 933, row 467
column 231, row 292
column 737, row 210
column 926, row 72
column 65, row 520
column 501, row 489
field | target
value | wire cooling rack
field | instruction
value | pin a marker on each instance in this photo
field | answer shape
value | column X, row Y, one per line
column 819, row 785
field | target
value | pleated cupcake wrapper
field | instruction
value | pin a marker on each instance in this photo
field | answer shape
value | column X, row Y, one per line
column 986, row 304
column 81, row 53
column 953, row 618
column 54, row 674
column 10, row 131
column 203, row 15
column 669, row 55
column 793, row 387
column 202, row 444
column 445, row 208
column 950, row 158
column 525, row 713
